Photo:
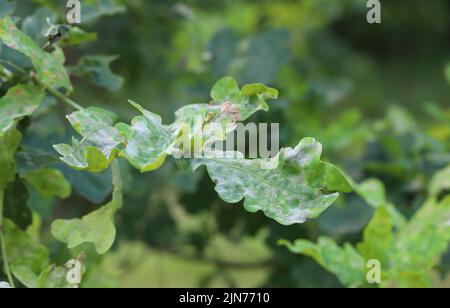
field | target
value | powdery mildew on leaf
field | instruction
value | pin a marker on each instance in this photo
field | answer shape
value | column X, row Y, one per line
column 296, row 187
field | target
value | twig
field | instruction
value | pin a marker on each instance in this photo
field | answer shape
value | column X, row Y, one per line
column 57, row 94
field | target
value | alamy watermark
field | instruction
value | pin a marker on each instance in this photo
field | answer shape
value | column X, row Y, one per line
column 374, row 14
column 74, row 12
column 374, row 271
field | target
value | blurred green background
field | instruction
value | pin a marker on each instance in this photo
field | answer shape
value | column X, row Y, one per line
column 376, row 96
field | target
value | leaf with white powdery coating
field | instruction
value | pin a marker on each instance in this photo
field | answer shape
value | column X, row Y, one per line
column 148, row 141
column 50, row 71
column 290, row 188
column 97, row 227
column 99, row 146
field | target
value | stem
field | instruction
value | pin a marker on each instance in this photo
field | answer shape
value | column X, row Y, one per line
column 63, row 98
column 2, row 243
column 57, row 94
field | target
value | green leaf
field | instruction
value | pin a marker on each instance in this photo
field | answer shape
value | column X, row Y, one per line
column 49, row 183
column 345, row 262
column 291, row 188
column 96, row 69
column 440, row 182
column 50, row 71
column 148, row 141
column 378, row 237
column 27, row 258
column 98, row 148
column 421, row 243
column 374, row 194
column 372, row 191
column 78, row 36
column 20, row 101
column 97, row 227
column 9, row 142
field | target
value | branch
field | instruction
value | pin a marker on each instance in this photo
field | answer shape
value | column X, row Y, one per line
column 57, row 94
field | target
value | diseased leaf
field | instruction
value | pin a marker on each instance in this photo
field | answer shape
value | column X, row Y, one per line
column 98, row 148
column 27, row 258
column 97, row 227
column 49, row 183
column 50, row 71
column 212, row 122
column 291, row 188
column 96, row 69
column 345, row 262
column 20, row 101
column 148, row 141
